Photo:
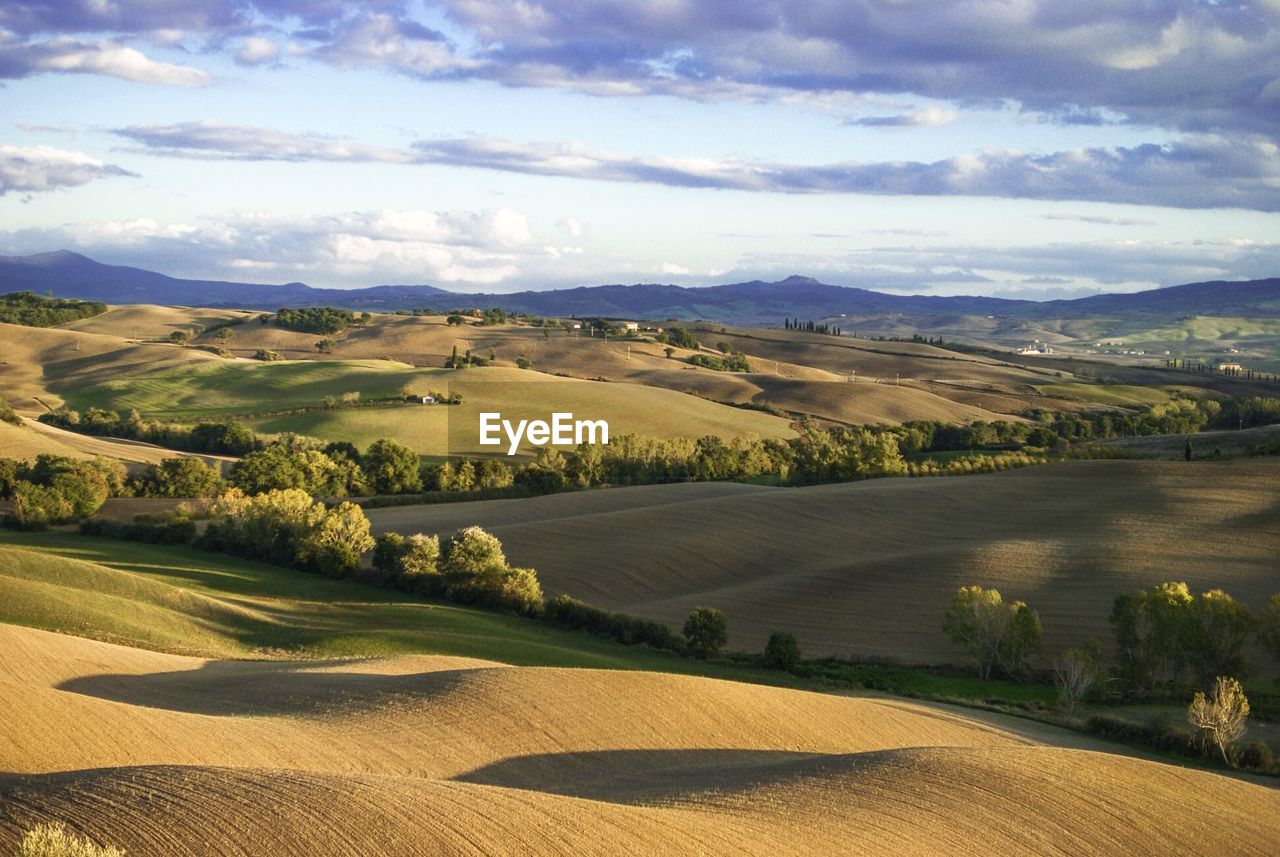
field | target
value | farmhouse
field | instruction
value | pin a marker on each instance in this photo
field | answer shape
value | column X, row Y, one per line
column 629, row 326
column 428, row 400
column 1229, row 367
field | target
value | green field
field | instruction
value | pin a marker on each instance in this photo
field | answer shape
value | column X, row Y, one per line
column 243, row 388
column 1119, row 395
column 184, row 601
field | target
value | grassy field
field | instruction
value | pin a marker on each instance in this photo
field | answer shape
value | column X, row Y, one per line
column 228, row 388
column 194, row 603
column 867, row 568
column 426, row 754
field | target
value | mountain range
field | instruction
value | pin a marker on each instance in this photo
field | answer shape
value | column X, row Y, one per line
column 68, row 274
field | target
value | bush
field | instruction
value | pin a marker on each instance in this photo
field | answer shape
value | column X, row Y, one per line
column 782, row 652
column 1258, row 756
column 571, row 613
column 476, row 572
column 55, row 840
column 411, row 564
column 178, row 530
column 266, row 354
column 8, row 414
column 706, row 631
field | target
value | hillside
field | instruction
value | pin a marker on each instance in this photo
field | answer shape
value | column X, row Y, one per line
column 69, row 274
column 868, row 568
column 427, row 756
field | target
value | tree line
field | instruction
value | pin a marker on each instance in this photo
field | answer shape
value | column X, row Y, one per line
column 32, row 310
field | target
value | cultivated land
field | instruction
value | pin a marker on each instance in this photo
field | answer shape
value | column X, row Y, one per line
column 868, row 568
column 421, row 755
column 167, row 700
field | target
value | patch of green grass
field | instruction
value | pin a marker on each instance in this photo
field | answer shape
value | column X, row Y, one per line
column 1122, row 395
column 191, row 602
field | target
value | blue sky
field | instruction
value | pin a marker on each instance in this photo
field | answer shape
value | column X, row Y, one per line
column 1031, row 149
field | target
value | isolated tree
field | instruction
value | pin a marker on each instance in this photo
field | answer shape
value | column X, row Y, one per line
column 325, row 346
column 707, row 631
column 1076, row 674
column 977, row 620
column 391, row 468
column 1223, row 718
column 669, row 351
column 180, row 337
column 782, row 652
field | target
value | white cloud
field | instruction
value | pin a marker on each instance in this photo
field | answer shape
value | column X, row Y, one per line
column 41, row 168
column 572, row 227
column 68, row 55
column 256, row 50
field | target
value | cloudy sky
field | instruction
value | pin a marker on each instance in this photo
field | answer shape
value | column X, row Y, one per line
column 1010, row 147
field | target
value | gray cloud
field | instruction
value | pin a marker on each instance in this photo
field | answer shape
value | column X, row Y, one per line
column 1189, row 65
column 42, row 168
column 926, row 117
column 1199, row 171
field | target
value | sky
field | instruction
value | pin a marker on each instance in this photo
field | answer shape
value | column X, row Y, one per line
column 998, row 147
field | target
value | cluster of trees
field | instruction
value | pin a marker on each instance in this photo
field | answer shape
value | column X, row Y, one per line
column 731, row 362
column 317, row 319
column 336, row 469
column 55, row 489
column 1169, row 639
column 809, row 326
column 33, row 310
column 680, row 337
column 454, row 361
column 469, row 568
column 227, row 437
column 289, row 528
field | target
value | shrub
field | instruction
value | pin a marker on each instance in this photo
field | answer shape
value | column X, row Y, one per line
column 178, row 530
column 1258, row 756
column 571, row 613
column 782, row 652
column 524, row 363
column 55, row 840
column 475, row 571
column 8, row 414
column 706, row 631
column 266, row 354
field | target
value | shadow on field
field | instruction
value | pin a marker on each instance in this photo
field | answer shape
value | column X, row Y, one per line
column 309, row 689
column 652, row 776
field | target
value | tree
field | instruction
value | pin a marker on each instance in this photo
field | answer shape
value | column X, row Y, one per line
column 325, row 346
column 1222, row 719
column 1269, row 630
column 669, row 351
column 1223, row 627
column 1021, row 640
column 180, row 337
column 782, row 652
column 707, row 631
column 391, row 468
column 977, row 620
column 180, row 477
column 1076, row 675
column 334, row 540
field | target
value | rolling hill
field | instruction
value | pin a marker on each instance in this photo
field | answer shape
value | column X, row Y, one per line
column 868, row 568
column 69, row 274
column 428, row 755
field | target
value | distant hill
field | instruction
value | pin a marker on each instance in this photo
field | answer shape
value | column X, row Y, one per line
column 69, row 274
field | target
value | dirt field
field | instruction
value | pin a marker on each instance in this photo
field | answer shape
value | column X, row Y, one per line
column 868, row 568
column 161, row 754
